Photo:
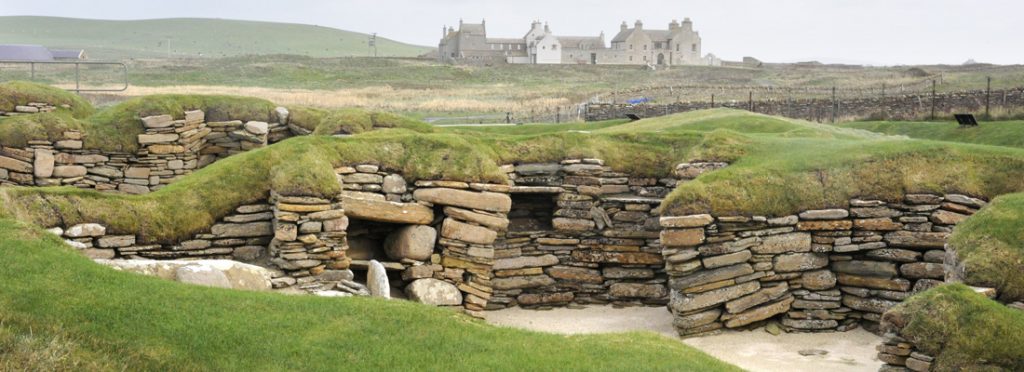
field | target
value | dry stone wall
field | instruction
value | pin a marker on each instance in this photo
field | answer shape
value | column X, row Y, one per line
column 31, row 108
column 168, row 149
column 819, row 270
column 897, row 107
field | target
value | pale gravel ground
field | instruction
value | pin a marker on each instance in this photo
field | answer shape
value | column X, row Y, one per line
column 754, row 350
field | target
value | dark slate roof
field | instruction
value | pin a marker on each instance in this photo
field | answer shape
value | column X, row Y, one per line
column 622, row 35
column 17, row 52
column 67, row 53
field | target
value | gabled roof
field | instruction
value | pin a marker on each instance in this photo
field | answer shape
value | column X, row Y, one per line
column 581, row 42
column 18, row 52
column 623, row 35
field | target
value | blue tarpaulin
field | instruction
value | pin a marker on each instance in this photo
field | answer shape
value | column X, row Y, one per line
column 637, row 101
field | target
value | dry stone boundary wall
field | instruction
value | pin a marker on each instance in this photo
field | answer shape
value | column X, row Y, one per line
column 897, row 107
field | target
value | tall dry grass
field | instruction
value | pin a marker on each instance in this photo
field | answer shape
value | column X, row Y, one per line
column 463, row 99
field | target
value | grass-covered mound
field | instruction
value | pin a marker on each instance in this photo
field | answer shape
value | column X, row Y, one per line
column 101, row 319
column 999, row 133
column 782, row 166
column 18, row 93
column 991, row 245
column 351, row 121
column 962, row 329
column 116, row 128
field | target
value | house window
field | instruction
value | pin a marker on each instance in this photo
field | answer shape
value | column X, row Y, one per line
column 630, row 46
column 631, row 58
column 693, row 48
column 554, row 46
column 677, row 47
column 645, row 46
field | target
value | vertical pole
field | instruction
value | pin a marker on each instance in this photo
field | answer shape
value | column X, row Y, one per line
column 712, row 100
column 933, row 100
column 77, row 87
column 988, row 93
column 558, row 115
column 750, row 100
column 835, row 105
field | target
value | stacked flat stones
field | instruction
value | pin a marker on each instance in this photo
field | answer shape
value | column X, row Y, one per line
column 31, row 108
column 168, row 150
column 819, row 270
column 602, row 246
column 309, row 238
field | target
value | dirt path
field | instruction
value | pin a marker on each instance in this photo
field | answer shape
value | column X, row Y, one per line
column 754, row 350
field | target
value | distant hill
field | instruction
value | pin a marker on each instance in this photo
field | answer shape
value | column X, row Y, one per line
column 193, row 37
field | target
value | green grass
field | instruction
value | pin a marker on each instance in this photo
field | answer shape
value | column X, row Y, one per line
column 991, row 245
column 814, row 166
column 19, row 93
column 350, row 121
column 962, row 329
column 98, row 318
column 999, row 133
column 191, row 38
column 535, row 129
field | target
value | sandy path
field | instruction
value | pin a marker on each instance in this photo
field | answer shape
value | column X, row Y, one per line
column 754, row 350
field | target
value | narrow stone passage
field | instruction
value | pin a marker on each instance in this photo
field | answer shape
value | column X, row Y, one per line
column 754, row 350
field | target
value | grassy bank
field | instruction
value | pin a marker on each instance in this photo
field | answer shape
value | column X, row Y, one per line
column 97, row 318
column 962, row 329
column 991, row 245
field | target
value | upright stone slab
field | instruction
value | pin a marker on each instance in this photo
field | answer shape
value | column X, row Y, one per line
column 377, row 280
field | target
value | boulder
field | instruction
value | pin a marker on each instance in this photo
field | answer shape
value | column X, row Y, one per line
column 414, row 242
column 377, row 280
column 258, row 128
column 434, row 292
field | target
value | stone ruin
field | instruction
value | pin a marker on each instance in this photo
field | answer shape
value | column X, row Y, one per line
column 571, row 232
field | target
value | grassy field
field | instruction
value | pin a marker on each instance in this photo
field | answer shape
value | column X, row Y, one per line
column 1000, row 133
column 190, row 38
column 88, row 317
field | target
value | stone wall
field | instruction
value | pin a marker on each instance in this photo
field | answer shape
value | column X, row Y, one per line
column 828, row 269
column 897, row 107
column 31, row 108
column 168, row 149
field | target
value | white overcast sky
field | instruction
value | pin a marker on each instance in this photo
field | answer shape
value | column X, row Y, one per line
column 848, row 31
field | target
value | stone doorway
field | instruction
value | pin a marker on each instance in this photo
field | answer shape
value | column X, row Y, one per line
column 396, row 246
